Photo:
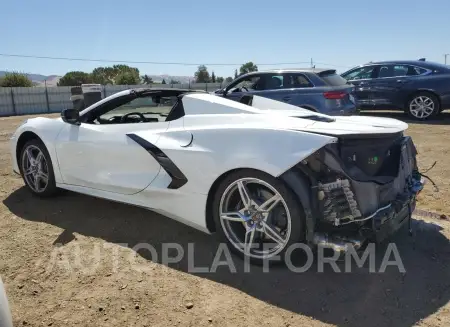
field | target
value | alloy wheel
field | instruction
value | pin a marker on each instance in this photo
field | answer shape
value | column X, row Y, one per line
column 255, row 218
column 35, row 169
column 421, row 107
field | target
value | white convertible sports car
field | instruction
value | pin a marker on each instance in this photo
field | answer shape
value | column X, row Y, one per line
column 262, row 174
column 5, row 314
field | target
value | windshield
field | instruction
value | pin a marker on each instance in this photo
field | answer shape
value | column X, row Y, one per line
column 150, row 107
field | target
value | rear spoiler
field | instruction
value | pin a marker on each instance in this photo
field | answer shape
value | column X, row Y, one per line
column 327, row 72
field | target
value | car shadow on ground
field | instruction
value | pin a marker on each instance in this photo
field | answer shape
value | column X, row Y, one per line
column 442, row 119
column 358, row 298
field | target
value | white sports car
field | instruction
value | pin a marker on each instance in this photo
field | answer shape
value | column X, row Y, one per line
column 5, row 314
column 262, row 174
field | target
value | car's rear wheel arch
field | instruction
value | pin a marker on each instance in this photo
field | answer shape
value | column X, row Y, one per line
column 298, row 191
column 210, row 225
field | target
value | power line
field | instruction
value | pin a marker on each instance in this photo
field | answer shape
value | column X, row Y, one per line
column 150, row 62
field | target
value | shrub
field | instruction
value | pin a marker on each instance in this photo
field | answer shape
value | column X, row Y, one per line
column 15, row 80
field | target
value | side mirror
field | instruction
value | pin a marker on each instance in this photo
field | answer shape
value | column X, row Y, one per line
column 70, row 116
column 221, row 92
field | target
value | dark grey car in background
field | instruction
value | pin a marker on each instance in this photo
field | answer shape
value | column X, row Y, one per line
column 320, row 90
column 419, row 87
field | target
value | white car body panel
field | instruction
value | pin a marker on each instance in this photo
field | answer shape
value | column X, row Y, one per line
column 215, row 136
column 5, row 314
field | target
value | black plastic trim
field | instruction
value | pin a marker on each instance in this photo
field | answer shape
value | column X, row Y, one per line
column 178, row 178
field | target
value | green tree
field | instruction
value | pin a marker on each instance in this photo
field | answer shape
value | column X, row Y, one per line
column 15, row 79
column 248, row 67
column 202, row 75
column 103, row 75
column 75, row 78
column 213, row 77
column 126, row 72
column 127, row 78
column 163, row 81
column 229, row 79
column 147, row 79
column 219, row 79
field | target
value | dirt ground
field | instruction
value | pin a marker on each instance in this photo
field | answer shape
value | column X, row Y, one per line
column 73, row 261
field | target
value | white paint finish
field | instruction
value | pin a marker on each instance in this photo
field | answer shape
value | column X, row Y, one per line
column 281, row 116
column 105, row 158
column 100, row 160
column 185, row 207
column 214, row 152
column 47, row 129
column 5, row 314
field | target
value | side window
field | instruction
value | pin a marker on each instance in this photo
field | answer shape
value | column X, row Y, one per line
column 401, row 70
column 297, row 81
column 386, row 71
column 393, row 71
column 251, row 83
column 272, row 82
column 414, row 70
column 360, row 73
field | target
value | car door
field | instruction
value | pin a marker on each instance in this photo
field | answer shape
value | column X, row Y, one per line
column 300, row 91
column 362, row 78
column 388, row 84
column 105, row 157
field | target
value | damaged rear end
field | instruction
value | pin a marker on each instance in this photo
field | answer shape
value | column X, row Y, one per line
column 362, row 188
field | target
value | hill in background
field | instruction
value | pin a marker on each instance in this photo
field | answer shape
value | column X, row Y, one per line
column 52, row 80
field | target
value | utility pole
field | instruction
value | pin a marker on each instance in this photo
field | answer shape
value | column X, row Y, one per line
column 445, row 57
column 312, row 63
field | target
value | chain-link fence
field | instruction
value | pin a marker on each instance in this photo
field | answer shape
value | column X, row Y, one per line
column 38, row 100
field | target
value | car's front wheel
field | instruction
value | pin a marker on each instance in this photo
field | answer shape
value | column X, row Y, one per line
column 36, row 168
column 257, row 215
column 423, row 106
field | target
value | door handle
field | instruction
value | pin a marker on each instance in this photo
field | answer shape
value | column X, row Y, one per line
column 400, row 81
column 286, row 99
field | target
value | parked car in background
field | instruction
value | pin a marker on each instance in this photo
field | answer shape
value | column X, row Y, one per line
column 5, row 314
column 320, row 90
column 420, row 88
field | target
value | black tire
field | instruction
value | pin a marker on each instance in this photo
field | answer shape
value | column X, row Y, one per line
column 295, row 209
column 50, row 189
column 432, row 97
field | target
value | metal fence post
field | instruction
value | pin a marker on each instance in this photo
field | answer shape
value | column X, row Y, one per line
column 104, row 91
column 46, row 99
column 206, row 86
column 13, row 102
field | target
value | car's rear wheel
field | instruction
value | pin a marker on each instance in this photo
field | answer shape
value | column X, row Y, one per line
column 257, row 215
column 36, row 169
column 423, row 106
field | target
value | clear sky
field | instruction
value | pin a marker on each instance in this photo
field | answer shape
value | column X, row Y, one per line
column 341, row 33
